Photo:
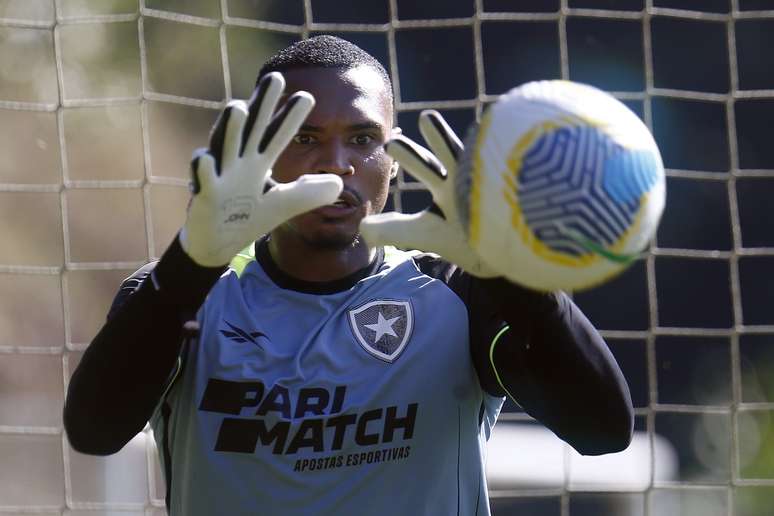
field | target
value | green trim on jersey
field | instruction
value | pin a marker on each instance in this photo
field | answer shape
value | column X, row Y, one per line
column 240, row 261
column 392, row 251
column 495, row 340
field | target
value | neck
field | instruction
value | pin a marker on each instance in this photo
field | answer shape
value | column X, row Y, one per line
column 307, row 262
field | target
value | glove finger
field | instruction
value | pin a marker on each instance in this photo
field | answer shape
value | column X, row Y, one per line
column 440, row 138
column 203, row 171
column 418, row 161
column 310, row 191
column 224, row 129
column 407, row 231
column 234, row 131
column 261, row 107
column 285, row 124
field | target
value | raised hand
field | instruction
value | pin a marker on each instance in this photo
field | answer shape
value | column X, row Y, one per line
column 235, row 201
column 438, row 228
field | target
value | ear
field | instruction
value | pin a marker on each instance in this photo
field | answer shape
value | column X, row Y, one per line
column 396, row 131
column 394, row 170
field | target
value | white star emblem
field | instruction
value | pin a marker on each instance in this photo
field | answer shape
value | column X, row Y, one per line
column 382, row 327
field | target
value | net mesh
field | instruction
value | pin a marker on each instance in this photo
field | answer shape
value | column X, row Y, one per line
column 63, row 264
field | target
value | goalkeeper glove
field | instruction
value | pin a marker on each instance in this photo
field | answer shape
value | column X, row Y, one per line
column 438, row 228
column 234, row 198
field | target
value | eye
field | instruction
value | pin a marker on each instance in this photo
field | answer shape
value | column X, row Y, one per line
column 304, row 139
column 362, row 139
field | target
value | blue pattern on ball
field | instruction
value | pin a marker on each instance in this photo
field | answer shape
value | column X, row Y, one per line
column 628, row 175
column 577, row 181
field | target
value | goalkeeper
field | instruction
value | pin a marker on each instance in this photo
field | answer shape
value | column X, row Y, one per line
column 324, row 372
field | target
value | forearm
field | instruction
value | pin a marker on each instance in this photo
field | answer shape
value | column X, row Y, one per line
column 123, row 373
column 559, row 369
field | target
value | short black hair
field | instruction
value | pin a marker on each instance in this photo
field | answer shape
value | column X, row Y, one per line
column 323, row 52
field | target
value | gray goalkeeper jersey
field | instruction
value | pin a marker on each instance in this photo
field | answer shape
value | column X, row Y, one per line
column 358, row 401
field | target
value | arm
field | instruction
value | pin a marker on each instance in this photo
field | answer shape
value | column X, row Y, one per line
column 124, row 371
column 554, row 364
column 542, row 352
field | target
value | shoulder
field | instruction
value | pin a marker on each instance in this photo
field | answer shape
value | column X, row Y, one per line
column 432, row 266
column 436, row 267
column 135, row 279
column 130, row 285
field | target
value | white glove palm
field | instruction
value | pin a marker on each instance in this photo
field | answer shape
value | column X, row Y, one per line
column 232, row 204
column 437, row 229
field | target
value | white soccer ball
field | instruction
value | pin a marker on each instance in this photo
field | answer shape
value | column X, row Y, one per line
column 561, row 186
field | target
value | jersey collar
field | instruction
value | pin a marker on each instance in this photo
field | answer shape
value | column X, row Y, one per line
column 284, row 280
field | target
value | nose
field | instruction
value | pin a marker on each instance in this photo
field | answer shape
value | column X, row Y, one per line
column 335, row 158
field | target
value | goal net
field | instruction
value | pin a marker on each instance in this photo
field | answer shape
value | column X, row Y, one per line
column 103, row 101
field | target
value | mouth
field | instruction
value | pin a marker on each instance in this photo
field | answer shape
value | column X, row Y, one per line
column 347, row 199
column 347, row 204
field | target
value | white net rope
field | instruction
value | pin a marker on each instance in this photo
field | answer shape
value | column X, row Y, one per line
column 60, row 493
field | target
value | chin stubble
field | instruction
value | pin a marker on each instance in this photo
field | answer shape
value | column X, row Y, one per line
column 332, row 242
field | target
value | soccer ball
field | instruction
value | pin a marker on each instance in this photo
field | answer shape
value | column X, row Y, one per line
column 561, row 186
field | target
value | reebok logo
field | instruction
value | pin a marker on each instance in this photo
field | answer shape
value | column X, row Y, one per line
column 241, row 336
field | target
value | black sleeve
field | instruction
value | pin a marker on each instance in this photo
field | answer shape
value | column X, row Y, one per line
column 124, row 371
column 553, row 362
column 540, row 350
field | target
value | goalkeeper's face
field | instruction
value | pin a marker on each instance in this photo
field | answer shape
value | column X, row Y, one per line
column 345, row 135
